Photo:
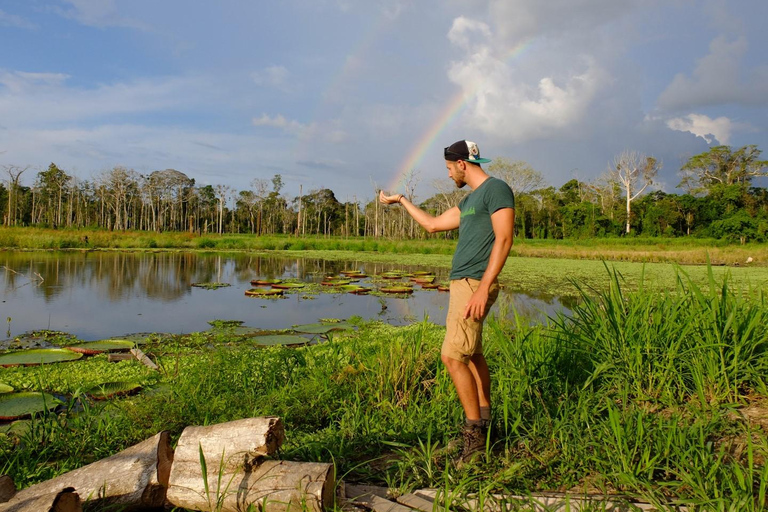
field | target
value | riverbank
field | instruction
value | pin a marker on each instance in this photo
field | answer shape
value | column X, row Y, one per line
column 659, row 398
column 683, row 251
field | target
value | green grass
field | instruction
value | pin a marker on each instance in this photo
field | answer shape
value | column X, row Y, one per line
column 636, row 393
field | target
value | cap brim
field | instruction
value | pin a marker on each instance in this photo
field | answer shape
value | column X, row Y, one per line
column 478, row 160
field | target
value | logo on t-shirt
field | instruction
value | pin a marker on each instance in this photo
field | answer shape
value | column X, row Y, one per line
column 470, row 211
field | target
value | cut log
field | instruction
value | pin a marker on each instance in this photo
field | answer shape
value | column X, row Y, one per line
column 236, row 474
column 272, row 486
column 144, row 359
column 133, row 479
column 63, row 500
column 7, row 488
column 374, row 498
column 239, row 443
column 416, row 502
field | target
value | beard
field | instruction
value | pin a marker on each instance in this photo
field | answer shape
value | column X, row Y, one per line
column 459, row 183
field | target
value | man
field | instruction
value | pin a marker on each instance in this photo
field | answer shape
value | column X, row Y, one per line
column 485, row 219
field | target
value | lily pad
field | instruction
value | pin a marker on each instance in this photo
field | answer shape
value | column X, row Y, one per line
column 442, row 287
column 111, row 389
column 20, row 405
column 5, row 388
column 422, row 273
column 335, row 282
column 211, row 286
column 349, row 272
column 280, row 339
column 288, row 286
column 38, row 356
column 397, row 289
column 263, row 292
column 353, row 288
column 265, row 282
column 321, row 328
column 423, row 279
column 97, row 347
column 430, row 286
column 391, row 275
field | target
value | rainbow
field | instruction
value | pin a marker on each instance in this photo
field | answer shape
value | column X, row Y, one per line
column 454, row 107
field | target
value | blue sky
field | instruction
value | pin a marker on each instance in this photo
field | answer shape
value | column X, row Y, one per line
column 337, row 93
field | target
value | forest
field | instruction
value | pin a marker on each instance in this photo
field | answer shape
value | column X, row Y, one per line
column 720, row 200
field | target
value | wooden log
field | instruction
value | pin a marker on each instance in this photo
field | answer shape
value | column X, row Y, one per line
column 7, row 488
column 236, row 474
column 143, row 359
column 271, row 486
column 63, row 500
column 133, row 479
column 239, row 443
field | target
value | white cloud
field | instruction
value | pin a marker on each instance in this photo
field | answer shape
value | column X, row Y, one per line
column 27, row 99
column 13, row 20
column 717, row 130
column 521, row 105
column 329, row 132
column 718, row 79
column 463, row 29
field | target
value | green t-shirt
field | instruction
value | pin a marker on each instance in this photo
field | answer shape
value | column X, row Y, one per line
column 476, row 235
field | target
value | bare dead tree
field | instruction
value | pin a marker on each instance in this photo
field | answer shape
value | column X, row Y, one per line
column 635, row 172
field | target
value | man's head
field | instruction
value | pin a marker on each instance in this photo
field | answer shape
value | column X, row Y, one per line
column 460, row 155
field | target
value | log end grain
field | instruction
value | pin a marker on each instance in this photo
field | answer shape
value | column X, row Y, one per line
column 7, row 488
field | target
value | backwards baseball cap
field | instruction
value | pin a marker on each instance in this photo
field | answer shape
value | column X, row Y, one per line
column 464, row 150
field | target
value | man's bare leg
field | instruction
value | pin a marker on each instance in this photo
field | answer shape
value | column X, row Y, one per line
column 479, row 368
column 466, row 386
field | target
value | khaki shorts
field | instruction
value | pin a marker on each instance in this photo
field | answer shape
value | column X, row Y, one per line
column 464, row 337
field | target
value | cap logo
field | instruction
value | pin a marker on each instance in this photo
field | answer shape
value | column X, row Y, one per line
column 474, row 152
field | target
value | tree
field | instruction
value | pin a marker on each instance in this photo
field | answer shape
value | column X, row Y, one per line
column 519, row 175
column 14, row 173
column 722, row 166
column 631, row 170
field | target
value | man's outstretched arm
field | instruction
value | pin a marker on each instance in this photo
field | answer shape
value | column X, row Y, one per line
column 446, row 221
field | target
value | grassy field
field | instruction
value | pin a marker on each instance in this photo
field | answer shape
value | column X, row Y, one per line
column 685, row 251
column 659, row 397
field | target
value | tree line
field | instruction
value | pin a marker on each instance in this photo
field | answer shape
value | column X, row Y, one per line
column 720, row 201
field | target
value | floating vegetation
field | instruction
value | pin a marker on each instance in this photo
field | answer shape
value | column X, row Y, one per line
column 280, row 339
column 322, row 328
column 423, row 279
column 38, row 356
column 443, row 287
column 335, row 282
column 430, row 286
column 5, row 388
column 14, row 406
column 350, row 272
column 112, row 389
column 97, row 347
column 353, row 288
column 391, row 275
column 396, row 289
column 211, row 286
column 288, row 286
column 264, row 292
column 265, row 282
column 223, row 324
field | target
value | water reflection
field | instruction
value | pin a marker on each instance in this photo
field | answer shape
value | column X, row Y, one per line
column 96, row 295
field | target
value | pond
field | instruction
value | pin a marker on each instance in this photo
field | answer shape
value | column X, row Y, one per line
column 97, row 295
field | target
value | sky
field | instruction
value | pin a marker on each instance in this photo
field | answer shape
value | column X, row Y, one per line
column 354, row 95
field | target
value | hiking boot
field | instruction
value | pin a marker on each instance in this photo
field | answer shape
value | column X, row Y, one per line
column 474, row 444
